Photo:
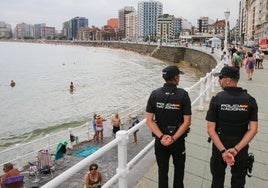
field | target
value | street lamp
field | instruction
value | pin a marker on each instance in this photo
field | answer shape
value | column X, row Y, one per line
column 226, row 15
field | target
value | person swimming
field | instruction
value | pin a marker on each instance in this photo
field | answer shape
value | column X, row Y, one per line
column 71, row 86
column 12, row 83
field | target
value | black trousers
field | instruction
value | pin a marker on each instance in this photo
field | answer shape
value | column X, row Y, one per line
column 238, row 170
column 163, row 153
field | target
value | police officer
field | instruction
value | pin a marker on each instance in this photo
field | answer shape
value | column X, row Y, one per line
column 168, row 115
column 232, row 122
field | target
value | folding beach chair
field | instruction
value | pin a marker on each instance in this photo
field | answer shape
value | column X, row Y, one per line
column 14, row 182
column 43, row 165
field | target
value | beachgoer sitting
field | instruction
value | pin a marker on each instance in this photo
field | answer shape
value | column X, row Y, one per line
column 9, row 172
column 93, row 178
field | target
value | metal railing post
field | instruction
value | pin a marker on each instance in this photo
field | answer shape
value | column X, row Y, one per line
column 122, row 158
column 88, row 131
column 201, row 94
column 19, row 159
column 48, row 141
column 208, row 76
column 213, row 85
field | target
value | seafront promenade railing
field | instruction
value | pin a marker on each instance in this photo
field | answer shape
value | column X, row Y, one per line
column 20, row 154
column 205, row 85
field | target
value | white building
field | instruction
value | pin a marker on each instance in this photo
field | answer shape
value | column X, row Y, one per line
column 131, row 26
column 148, row 12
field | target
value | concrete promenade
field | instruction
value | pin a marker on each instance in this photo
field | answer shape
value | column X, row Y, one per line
column 198, row 150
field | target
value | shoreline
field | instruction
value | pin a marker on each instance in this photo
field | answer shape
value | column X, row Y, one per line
column 172, row 55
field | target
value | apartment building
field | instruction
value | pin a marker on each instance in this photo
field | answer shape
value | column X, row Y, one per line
column 122, row 20
column 24, row 30
column 253, row 21
column 148, row 13
column 165, row 26
column 131, row 26
column 5, row 30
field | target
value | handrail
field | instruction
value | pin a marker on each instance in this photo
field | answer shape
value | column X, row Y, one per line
column 205, row 85
column 122, row 140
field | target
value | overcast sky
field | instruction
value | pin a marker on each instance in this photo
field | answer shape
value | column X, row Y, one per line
column 55, row 12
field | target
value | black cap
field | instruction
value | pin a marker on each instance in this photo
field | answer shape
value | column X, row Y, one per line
column 228, row 72
column 171, row 71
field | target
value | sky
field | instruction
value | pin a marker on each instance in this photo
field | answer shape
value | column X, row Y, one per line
column 54, row 12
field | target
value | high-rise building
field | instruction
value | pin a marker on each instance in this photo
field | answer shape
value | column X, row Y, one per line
column 177, row 27
column 253, row 21
column 165, row 26
column 261, row 28
column 5, row 30
column 48, row 32
column 24, row 30
column 131, row 26
column 37, row 30
column 66, row 30
column 202, row 24
column 148, row 13
column 77, row 23
column 122, row 20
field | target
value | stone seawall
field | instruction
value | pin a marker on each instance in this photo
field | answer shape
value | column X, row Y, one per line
column 200, row 60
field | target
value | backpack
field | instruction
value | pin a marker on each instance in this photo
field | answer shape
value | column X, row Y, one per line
column 250, row 65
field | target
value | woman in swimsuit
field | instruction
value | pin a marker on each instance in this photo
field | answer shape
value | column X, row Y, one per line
column 93, row 178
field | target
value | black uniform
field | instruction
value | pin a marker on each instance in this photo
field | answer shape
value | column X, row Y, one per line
column 231, row 109
column 177, row 104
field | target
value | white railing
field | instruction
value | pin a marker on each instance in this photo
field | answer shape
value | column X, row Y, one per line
column 20, row 154
column 206, row 86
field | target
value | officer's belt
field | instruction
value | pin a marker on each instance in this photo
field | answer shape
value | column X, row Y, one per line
column 226, row 130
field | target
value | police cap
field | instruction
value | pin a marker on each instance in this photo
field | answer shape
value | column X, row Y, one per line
column 228, row 72
column 171, row 71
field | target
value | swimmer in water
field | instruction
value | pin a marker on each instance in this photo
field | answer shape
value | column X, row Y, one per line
column 71, row 86
column 12, row 84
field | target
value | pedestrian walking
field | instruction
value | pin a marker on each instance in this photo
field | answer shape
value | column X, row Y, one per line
column 249, row 65
column 232, row 122
column 168, row 115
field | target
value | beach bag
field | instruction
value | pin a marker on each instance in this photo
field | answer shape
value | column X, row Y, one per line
column 250, row 65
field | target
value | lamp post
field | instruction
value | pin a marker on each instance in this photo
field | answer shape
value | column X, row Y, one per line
column 226, row 15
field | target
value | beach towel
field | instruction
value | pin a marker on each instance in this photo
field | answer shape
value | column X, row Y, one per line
column 87, row 151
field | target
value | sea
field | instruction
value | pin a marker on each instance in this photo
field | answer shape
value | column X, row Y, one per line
column 106, row 81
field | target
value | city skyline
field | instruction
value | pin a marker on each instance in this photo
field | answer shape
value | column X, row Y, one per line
column 56, row 12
